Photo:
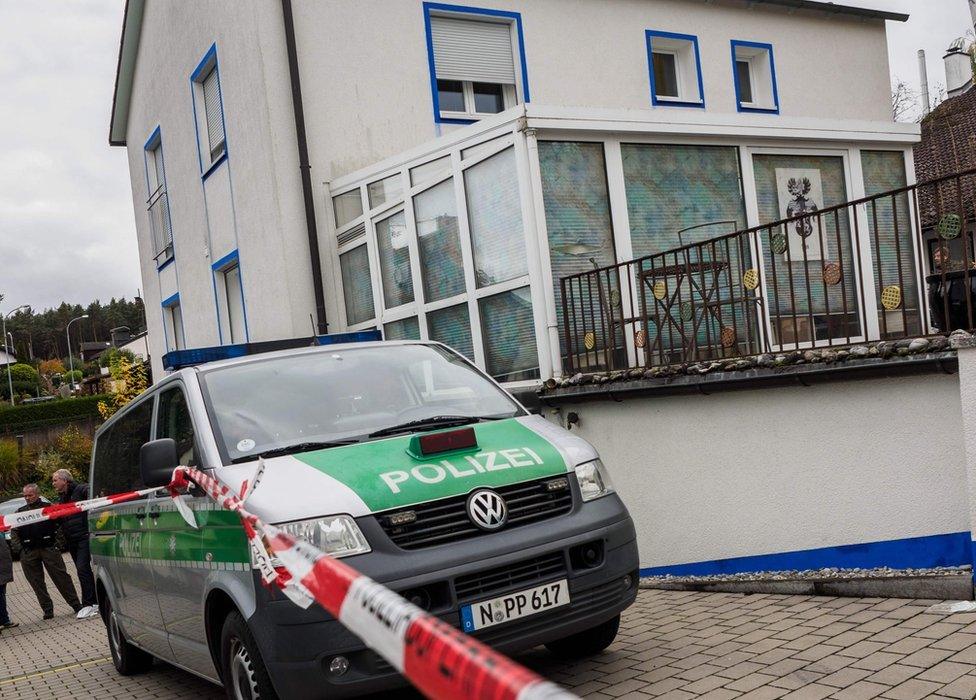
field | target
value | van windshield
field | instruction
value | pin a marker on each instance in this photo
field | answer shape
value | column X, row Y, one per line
column 315, row 400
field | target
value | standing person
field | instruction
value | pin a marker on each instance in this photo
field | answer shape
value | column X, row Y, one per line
column 38, row 552
column 76, row 533
column 6, row 576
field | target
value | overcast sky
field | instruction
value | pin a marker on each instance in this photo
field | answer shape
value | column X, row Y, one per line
column 66, row 219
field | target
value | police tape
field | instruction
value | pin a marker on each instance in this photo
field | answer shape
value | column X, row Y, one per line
column 438, row 659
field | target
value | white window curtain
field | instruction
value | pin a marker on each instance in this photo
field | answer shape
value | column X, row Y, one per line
column 215, row 118
column 478, row 51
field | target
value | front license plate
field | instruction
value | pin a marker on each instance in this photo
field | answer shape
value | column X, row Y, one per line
column 514, row 606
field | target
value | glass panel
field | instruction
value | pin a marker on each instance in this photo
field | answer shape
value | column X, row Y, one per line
column 450, row 96
column 574, row 190
column 665, row 75
column 495, row 219
column 386, row 190
column 235, row 303
column 439, row 242
column 176, row 314
column 891, row 242
column 489, row 98
column 404, row 329
column 394, row 253
column 357, row 289
column 484, row 147
column 673, row 188
column 508, row 330
column 452, row 326
column 801, row 305
column 430, row 171
column 745, row 81
column 174, row 422
column 347, row 207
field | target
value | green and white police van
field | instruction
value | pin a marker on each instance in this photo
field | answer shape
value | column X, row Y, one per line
column 400, row 457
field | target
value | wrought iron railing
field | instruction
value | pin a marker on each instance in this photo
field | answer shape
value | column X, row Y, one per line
column 160, row 223
column 894, row 265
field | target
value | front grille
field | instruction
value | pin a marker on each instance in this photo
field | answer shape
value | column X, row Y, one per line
column 518, row 576
column 446, row 520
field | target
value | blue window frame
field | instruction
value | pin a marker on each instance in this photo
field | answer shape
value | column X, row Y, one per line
column 754, row 76
column 157, row 200
column 229, row 297
column 208, row 113
column 173, row 331
column 674, row 69
column 466, row 98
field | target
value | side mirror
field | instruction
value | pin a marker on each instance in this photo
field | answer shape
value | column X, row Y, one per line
column 157, row 460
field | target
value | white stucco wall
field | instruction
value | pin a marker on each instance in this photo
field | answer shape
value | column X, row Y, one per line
column 367, row 84
column 777, row 470
column 256, row 194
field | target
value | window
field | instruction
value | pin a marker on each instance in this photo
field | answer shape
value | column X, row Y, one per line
column 495, row 219
column 386, row 190
column 157, row 204
column 173, row 421
column 357, row 288
column 438, row 241
column 392, row 243
column 754, row 73
column 230, row 299
column 404, row 329
column 347, row 207
column 477, row 62
column 173, row 323
column 209, row 111
column 116, row 463
column 508, row 330
column 452, row 326
column 675, row 69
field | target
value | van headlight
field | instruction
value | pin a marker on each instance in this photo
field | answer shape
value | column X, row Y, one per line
column 336, row 535
column 594, row 480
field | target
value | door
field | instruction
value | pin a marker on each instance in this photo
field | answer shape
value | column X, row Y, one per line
column 131, row 568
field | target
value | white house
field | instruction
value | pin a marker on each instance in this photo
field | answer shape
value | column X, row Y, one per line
column 434, row 171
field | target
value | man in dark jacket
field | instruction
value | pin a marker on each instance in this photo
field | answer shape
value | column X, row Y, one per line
column 76, row 533
column 39, row 552
column 6, row 576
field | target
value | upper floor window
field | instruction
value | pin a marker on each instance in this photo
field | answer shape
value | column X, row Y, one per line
column 754, row 73
column 675, row 69
column 209, row 110
column 157, row 203
column 477, row 63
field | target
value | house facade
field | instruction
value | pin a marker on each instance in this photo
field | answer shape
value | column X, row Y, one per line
column 457, row 173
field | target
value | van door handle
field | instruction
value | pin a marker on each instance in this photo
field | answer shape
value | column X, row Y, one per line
column 140, row 515
column 154, row 514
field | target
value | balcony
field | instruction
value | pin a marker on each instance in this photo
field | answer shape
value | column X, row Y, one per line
column 893, row 266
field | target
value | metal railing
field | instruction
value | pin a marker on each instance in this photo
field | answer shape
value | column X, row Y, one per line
column 890, row 266
column 160, row 223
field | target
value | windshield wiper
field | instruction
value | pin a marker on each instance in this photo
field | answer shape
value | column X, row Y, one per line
column 297, row 447
column 424, row 423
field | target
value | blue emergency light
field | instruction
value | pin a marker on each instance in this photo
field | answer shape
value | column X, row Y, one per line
column 178, row 359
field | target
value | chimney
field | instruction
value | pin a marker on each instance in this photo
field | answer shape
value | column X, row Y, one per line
column 958, row 68
column 923, row 80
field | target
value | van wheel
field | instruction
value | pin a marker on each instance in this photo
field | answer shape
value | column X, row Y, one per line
column 586, row 643
column 242, row 668
column 128, row 660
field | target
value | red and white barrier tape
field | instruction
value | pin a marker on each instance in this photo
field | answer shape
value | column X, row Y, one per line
column 438, row 659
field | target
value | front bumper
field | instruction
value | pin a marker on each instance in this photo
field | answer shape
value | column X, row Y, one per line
column 297, row 645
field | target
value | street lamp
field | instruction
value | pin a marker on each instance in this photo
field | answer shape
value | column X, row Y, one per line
column 71, row 364
column 10, row 381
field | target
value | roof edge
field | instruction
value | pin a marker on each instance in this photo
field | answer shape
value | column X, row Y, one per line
column 125, row 70
column 834, row 8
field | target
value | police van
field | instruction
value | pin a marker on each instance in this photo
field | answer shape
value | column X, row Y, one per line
column 403, row 459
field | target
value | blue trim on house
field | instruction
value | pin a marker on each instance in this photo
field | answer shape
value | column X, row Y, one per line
column 217, row 163
column 516, row 18
column 950, row 549
column 651, row 33
column 166, row 264
column 772, row 73
column 172, row 300
column 225, row 261
column 153, row 139
column 209, row 59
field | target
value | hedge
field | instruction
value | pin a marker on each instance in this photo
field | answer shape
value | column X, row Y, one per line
column 50, row 411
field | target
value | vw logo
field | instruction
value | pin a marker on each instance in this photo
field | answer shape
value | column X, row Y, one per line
column 487, row 509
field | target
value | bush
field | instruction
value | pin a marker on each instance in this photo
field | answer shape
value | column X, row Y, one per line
column 51, row 367
column 112, row 354
column 51, row 412
column 21, row 372
column 74, row 449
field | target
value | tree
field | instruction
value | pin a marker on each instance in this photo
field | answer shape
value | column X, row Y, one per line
column 904, row 102
column 129, row 380
column 21, row 372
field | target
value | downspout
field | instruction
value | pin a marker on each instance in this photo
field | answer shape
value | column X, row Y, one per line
column 304, row 167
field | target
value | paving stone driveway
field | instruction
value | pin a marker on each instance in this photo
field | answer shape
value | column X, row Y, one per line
column 671, row 645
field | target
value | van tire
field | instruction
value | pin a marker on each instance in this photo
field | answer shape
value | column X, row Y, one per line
column 242, row 669
column 127, row 659
column 586, row 643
